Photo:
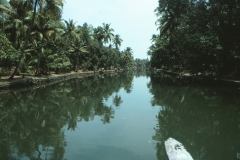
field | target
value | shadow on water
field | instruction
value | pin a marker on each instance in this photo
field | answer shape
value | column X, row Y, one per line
column 31, row 122
column 205, row 119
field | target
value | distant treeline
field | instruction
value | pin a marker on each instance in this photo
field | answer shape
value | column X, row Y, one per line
column 198, row 36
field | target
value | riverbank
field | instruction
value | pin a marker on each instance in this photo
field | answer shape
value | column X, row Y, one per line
column 33, row 82
column 222, row 81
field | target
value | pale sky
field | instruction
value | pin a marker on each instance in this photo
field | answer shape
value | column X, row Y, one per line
column 133, row 20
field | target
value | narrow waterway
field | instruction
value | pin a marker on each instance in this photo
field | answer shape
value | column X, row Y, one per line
column 118, row 117
column 128, row 135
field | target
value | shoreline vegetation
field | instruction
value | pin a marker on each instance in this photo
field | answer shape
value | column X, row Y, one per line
column 35, row 40
column 197, row 37
column 33, row 82
column 228, row 81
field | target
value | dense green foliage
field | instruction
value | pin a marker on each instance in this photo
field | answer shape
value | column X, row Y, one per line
column 7, row 52
column 43, row 42
column 198, row 36
column 141, row 64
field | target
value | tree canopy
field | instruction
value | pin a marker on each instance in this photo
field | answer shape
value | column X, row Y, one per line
column 40, row 41
column 199, row 36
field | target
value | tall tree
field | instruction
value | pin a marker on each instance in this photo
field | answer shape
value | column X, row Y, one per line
column 98, row 35
column 117, row 41
column 53, row 8
column 107, row 33
column 4, row 7
column 25, row 42
column 71, row 31
column 198, row 36
column 76, row 48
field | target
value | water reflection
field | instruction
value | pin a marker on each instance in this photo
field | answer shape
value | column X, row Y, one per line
column 206, row 121
column 57, row 122
column 31, row 122
column 117, row 100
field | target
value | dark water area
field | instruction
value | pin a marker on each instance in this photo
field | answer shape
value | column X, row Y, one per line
column 125, row 116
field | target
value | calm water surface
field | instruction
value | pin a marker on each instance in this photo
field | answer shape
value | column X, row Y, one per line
column 127, row 136
column 121, row 117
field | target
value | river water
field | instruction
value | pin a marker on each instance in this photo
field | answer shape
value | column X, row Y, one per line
column 120, row 117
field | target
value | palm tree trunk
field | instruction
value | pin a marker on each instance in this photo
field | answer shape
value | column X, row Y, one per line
column 38, row 72
column 26, row 41
column 2, row 22
column 77, row 63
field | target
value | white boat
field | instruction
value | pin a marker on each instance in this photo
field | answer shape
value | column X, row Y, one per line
column 176, row 151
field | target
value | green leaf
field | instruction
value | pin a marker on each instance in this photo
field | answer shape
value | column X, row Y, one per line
column 58, row 60
column 43, row 123
column 32, row 61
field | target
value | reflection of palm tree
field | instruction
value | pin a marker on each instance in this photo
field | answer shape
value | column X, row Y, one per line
column 58, row 152
column 127, row 83
column 117, row 100
column 108, row 113
column 186, row 115
column 35, row 119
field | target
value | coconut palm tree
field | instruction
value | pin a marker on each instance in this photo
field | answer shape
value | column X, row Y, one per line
column 17, row 23
column 45, row 29
column 129, row 50
column 16, row 31
column 98, row 35
column 52, row 7
column 85, row 32
column 70, row 31
column 154, row 38
column 4, row 7
column 117, row 41
column 107, row 33
column 26, row 40
column 166, row 23
column 76, row 49
column 127, row 58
